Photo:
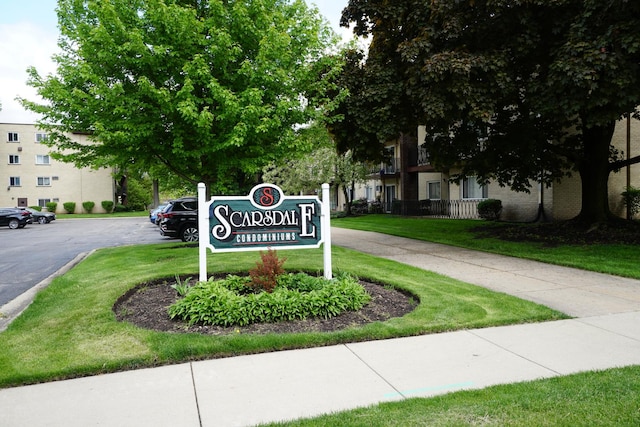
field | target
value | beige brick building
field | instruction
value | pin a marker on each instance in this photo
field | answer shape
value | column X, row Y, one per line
column 29, row 176
column 410, row 179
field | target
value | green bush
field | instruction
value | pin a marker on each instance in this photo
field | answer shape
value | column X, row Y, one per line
column 232, row 302
column 70, row 207
column 360, row 206
column 51, row 206
column 88, row 206
column 37, row 208
column 631, row 199
column 121, row 208
column 139, row 194
column 107, row 205
column 490, row 209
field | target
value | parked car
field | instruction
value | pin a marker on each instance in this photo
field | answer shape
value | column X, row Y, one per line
column 159, row 215
column 153, row 214
column 15, row 217
column 180, row 219
column 41, row 217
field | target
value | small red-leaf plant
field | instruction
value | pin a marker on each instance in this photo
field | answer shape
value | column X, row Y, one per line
column 265, row 275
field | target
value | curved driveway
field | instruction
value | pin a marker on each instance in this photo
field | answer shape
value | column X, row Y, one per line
column 31, row 254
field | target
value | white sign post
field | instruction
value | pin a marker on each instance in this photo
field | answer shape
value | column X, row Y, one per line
column 266, row 219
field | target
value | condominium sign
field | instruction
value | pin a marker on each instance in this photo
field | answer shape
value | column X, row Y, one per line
column 265, row 219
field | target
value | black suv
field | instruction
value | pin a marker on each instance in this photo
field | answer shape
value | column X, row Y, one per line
column 180, row 219
column 15, row 217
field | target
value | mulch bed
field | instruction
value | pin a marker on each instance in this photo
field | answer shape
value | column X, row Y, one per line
column 146, row 306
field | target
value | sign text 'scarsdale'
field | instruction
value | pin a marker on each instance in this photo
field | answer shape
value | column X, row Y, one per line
column 266, row 218
column 301, row 219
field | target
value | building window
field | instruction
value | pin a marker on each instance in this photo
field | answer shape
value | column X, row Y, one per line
column 14, row 181
column 41, row 137
column 12, row 137
column 472, row 190
column 44, row 181
column 14, row 159
column 368, row 191
column 433, row 190
column 43, row 159
column 43, row 202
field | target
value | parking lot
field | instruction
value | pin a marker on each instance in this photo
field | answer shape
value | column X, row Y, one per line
column 29, row 255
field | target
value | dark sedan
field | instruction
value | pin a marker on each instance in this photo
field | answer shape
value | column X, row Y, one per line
column 41, row 217
column 15, row 218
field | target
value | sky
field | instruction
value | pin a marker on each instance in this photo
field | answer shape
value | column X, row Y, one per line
column 29, row 36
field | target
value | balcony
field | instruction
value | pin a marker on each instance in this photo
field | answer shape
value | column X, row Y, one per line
column 392, row 167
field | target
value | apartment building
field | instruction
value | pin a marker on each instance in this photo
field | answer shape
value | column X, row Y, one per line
column 29, row 176
column 409, row 185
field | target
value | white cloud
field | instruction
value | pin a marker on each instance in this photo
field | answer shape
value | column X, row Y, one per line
column 22, row 45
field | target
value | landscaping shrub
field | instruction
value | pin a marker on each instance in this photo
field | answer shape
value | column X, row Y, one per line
column 70, row 207
column 490, row 209
column 266, row 272
column 232, row 301
column 37, row 208
column 631, row 199
column 360, row 206
column 139, row 194
column 88, row 206
column 121, row 208
column 51, row 206
column 107, row 205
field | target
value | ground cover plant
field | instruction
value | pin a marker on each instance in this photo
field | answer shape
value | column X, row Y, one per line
column 71, row 328
column 231, row 302
column 268, row 295
column 612, row 250
column 604, row 398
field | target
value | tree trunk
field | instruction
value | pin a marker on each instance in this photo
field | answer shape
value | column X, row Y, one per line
column 345, row 193
column 594, row 172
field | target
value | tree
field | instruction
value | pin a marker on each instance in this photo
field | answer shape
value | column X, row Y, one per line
column 515, row 90
column 209, row 89
column 323, row 164
column 371, row 106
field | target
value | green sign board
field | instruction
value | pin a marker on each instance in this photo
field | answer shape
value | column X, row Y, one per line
column 264, row 219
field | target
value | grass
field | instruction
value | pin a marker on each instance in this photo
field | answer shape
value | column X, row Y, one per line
column 70, row 329
column 61, row 215
column 587, row 399
column 616, row 259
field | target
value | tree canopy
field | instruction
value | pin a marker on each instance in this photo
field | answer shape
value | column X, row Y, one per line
column 516, row 91
column 307, row 171
column 212, row 90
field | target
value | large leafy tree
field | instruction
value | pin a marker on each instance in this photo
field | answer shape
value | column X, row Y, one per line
column 514, row 90
column 209, row 89
column 372, row 105
column 323, row 164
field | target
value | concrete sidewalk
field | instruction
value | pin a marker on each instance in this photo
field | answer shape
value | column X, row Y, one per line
column 248, row 390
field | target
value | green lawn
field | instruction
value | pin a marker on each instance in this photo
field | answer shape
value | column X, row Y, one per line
column 608, row 398
column 61, row 215
column 70, row 329
column 616, row 259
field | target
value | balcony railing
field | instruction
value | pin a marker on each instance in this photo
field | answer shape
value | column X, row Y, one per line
column 390, row 168
column 423, row 156
column 455, row 209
